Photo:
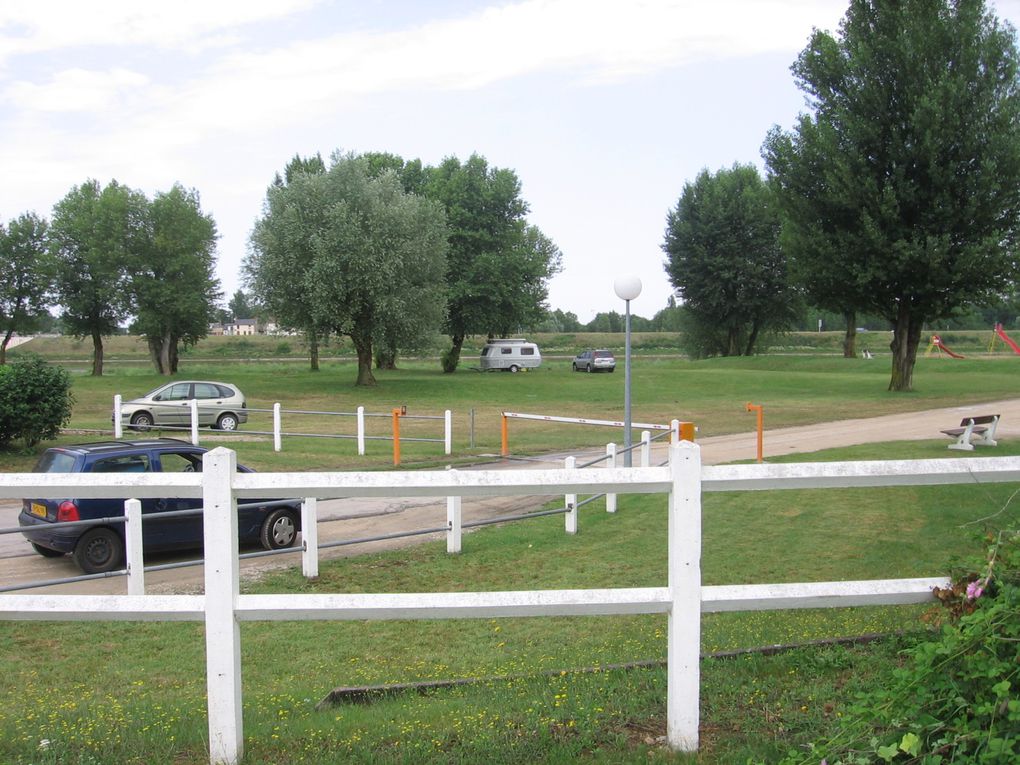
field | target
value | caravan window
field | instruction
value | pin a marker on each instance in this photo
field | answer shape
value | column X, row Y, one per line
column 526, row 351
column 485, row 351
column 506, row 351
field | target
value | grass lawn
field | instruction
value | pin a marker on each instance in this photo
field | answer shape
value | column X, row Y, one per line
column 127, row 693
column 794, row 389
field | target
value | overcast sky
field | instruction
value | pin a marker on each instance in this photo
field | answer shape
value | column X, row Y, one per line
column 604, row 109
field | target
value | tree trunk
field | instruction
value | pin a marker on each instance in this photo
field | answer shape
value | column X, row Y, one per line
column 850, row 338
column 164, row 355
column 97, row 354
column 175, row 355
column 313, row 350
column 451, row 359
column 386, row 358
column 361, row 336
column 906, row 338
column 154, row 354
column 4, row 344
column 752, row 339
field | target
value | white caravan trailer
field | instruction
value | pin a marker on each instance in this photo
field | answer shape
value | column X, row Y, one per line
column 511, row 355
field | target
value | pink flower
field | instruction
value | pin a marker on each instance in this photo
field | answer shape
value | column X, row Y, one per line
column 974, row 590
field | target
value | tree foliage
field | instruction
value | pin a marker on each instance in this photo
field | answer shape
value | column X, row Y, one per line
column 92, row 236
column 498, row 266
column 172, row 276
column 283, row 247
column 365, row 258
column 902, row 186
column 723, row 255
column 26, row 276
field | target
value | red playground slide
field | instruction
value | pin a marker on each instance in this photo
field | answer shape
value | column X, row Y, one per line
column 1006, row 338
column 937, row 342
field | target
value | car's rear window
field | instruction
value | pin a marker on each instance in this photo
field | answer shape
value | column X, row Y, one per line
column 55, row 462
column 603, row 355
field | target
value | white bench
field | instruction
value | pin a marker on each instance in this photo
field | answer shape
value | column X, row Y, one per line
column 974, row 430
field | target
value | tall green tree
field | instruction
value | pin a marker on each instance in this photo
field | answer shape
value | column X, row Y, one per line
column 92, row 236
column 173, row 281
column 240, row 306
column 498, row 267
column 723, row 255
column 375, row 255
column 902, row 185
column 283, row 244
column 26, row 276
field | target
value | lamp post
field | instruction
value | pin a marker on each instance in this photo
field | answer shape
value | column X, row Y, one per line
column 627, row 287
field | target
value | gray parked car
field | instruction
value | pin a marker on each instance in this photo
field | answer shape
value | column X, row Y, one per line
column 220, row 405
column 594, row 361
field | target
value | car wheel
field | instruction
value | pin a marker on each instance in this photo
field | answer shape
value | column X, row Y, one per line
column 227, row 422
column 280, row 529
column 573, row 367
column 514, row 368
column 142, row 421
column 612, row 369
column 588, row 369
column 98, row 551
column 46, row 552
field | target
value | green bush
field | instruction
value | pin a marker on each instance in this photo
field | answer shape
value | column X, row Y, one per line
column 955, row 700
column 35, row 401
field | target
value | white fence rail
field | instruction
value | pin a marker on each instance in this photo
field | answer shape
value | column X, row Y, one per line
column 222, row 608
column 277, row 412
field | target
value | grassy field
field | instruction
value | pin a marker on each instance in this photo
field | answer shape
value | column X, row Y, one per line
column 123, row 693
column 795, row 389
column 93, row 694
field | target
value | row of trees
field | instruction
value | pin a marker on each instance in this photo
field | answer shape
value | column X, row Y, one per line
column 897, row 195
column 387, row 252
column 107, row 254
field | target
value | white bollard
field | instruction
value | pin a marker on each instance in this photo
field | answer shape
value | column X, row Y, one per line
column 453, row 523
column 277, row 428
column 610, row 463
column 361, row 431
column 134, row 558
column 571, row 501
column 674, row 431
column 646, row 448
column 118, row 429
column 310, row 538
column 683, row 640
column 222, row 631
column 448, row 431
column 193, row 405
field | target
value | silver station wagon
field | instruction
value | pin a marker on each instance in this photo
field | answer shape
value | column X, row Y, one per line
column 220, row 405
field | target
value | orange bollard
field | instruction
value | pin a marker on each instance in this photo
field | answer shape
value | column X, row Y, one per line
column 396, row 436
column 761, row 426
column 505, row 434
column 687, row 430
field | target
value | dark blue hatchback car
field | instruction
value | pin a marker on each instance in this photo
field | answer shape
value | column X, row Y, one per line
column 100, row 548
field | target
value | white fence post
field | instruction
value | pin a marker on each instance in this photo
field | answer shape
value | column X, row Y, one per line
column 222, row 632
column 310, row 538
column 448, row 431
column 118, row 429
column 453, row 522
column 361, row 431
column 133, row 547
column 277, row 428
column 193, row 406
column 571, row 501
column 646, row 448
column 674, row 431
column 610, row 463
column 684, row 625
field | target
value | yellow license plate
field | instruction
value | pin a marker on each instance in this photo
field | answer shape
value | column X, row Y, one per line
column 38, row 509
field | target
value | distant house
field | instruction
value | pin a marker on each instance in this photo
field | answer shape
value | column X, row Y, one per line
column 235, row 328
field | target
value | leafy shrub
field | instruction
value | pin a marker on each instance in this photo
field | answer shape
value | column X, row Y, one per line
column 35, row 401
column 956, row 698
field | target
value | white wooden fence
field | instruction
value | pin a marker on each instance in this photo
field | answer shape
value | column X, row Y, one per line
column 683, row 598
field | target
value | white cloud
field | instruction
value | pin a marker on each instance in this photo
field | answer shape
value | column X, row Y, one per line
column 39, row 26
column 76, row 90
